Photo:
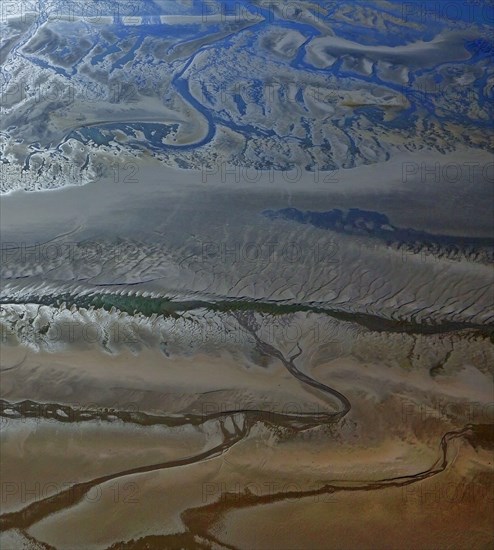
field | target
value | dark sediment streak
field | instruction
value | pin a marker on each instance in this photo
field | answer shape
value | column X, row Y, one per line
column 376, row 225
column 38, row 510
column 163, row 306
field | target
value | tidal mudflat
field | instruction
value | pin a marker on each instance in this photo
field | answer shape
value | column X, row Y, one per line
column 246, row 312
